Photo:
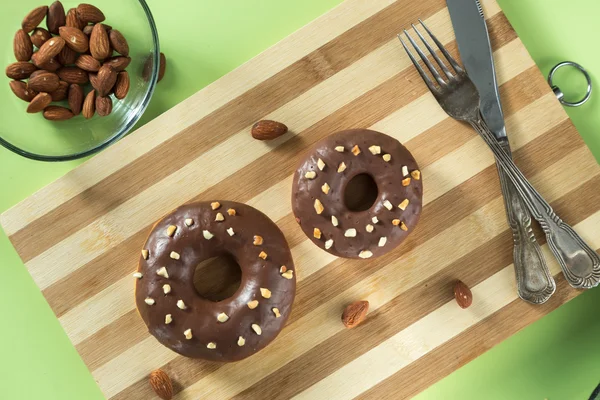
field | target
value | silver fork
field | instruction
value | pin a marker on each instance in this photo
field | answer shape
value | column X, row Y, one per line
column 459, row 98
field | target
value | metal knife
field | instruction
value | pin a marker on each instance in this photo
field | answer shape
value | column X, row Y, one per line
column 535, row 283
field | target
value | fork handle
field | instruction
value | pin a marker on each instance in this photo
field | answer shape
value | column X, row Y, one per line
column 535, row 283
column 579, row 262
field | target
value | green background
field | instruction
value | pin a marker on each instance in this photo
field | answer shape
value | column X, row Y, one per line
column 556, row 358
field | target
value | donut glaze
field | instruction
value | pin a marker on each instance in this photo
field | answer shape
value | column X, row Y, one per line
column 193, row 326
column 319, row 194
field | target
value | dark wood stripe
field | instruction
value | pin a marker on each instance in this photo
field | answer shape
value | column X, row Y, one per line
column 236, row 115
column 441, row 214
column 364, row 111
column 406, row 309
column 465, row 347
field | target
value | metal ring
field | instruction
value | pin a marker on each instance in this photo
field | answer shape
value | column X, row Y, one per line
column 559, row 94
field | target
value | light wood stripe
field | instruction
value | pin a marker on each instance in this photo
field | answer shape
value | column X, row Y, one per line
column 346, row 70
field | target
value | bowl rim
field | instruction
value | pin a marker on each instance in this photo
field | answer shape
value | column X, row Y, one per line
column 131, row 121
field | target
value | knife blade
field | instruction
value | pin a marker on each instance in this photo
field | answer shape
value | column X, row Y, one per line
column 476, row 53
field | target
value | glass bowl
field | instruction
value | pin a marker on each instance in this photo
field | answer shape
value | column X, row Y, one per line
column 30, row 135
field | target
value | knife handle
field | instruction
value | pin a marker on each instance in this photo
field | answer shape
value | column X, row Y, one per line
column 535, row 283
column 579, row 262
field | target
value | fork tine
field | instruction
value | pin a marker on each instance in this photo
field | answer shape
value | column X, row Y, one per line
column 450, row 59
column 428, row 81
column 429, row 65
column 432, row 52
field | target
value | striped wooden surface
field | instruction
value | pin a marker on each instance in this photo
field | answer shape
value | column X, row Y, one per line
column 80, row 237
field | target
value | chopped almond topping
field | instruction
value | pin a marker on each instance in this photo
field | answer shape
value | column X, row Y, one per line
column 325, row 188
column 230, row 231
column 341, row 167
column 416, row 174
column 375, row 220
column 166, row 288
column 310, row 175
column 328, row 244
column 257, row 329
column 369, row 228
column 339, row 149
column 317, row 233
column 334, row 220
column 404, row 204
column 207, row 235
column 356, row 150
column 387, row 157
column 319, row 206
column 289, row 274
column 145, row 254
column 222, row 317
column 404, row 170
column 171, row 230
column 266, row 293
column 215, row 205
column 162, row 271
column 375, row 150
column 262, row 255
column 149, row 301
column 282, row 269
column 405, row 181
column 231, row 212
column 181, row 305
column 219, row 217
column 403, row 226
column 175, row 255
column 168, row 319
column 321, row 164
column 138, row 275
column 211, row 345
column 241, row 341
column 396, row 222
column 350, row 232
column 188, row 334
column 382, row 241
column 388, row 205
column 365, row 254
column 189, row 222
column 276, row 312
column 252, row 304
column 258, row 240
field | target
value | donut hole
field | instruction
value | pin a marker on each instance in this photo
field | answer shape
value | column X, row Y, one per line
column 217, row 278
column 360, row 193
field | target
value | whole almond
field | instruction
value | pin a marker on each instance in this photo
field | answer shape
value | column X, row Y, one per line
column 73, row 19
column 36, row 73
column 94, row 80
column 56, row 113
column 61, row 93
column 89, row 28
column 106, row 79
column 118, row 42
column 89, row 13
column 268, row 130
column 22, row 46
column 462, row 294
column 76, row 98
column 103, row 106
column 39, row 102
column 39, row 36
column 21, row 90
column 99, row 43
column 163, row 67
column 67, row 56
column 74, row 38
column 33, row 19
column 51, row 65
column 122, row 85
column 56, row 17
column 161, row 384
column 50, row 49
column 119, row 63
column 20, row 70
column 44, row 82
column 89, row 105
column 355, row 313
column 88, row 63
column 73, row 75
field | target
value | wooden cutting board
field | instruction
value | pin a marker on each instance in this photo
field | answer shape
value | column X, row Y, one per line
column 80, row 237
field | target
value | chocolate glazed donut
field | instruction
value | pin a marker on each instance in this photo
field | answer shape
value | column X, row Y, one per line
column 231, row 329
column 389, row 194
